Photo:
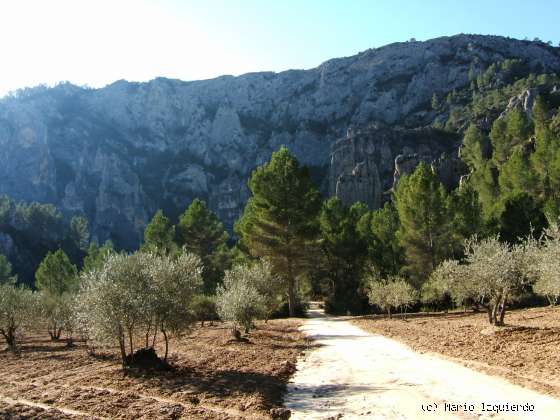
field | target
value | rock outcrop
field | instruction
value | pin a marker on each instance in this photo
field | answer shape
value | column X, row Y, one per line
column 119, row 153
column 367, row 163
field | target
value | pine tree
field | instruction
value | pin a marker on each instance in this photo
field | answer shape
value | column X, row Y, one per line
column 159, row 234
column 56, row 274
column 540, row 116
column 545, row 159
column 517, row 175
column 506, row 133
column 6, row 271
column 425, row 231
column 475, row 147
column 500, row 143
column 96, row 256
column 79, row 232
column 279, row 221
column 485, row 182
column 200, row 231
column 344, row 252
column 518, row 127
column 521, row 216
column 466, row 211
column 379, row 230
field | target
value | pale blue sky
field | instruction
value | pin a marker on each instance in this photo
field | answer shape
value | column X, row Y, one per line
column 97, row 42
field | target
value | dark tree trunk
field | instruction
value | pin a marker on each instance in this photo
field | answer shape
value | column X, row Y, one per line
column 495, row 309
column 148, row 336
column 155, row 336
column 166, row 343
column 291, row 298
column 489, row 311
column 123, row 350
column 55, row 332
column 236, row 334
column 130, row 342
column 502, row 311
column 10, row 337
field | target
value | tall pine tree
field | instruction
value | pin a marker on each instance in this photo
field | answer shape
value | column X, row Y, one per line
column 280, row 218
column 200, row 231
column 344, row 252
column 475, row 148
column 159, row 234
column 425, row 223
column 379, row 230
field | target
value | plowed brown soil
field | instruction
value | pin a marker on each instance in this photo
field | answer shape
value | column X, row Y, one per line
column 214, row 378
column 526, row 351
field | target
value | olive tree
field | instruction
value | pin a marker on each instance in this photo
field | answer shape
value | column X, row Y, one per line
column 174, row 283
column 18, row 307
column 204, row 308
column 394, row 292
column 492, row 274
column 104, row 311
column 56, row 277
column 378, row 294
column 447, row 279
column 59, row 312
column 240, row 299
column 268, row 285
column 402, row 294
column 132, row 295
column 547, row 269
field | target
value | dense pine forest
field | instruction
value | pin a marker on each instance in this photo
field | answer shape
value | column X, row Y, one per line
column 427, row 248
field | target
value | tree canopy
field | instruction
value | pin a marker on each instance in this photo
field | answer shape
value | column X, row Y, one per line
column 280, row 219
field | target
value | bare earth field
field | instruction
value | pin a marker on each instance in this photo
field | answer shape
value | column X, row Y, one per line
column 214, row 378
column 526, row 351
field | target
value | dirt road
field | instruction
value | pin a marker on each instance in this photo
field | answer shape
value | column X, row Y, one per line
column 360, row 375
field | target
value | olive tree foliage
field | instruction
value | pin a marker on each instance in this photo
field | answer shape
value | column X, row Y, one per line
column 59, row 313
column 57, row 280
column 204, row 308
column 391, row 293
column 138, row 295
column 248, row 293
column 18, row 310
column 174, row 284
column 492, row 274
column 446, row 280
column 546, row 263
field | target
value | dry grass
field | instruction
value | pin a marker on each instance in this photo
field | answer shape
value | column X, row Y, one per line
column 213, row 378
column 526, row 351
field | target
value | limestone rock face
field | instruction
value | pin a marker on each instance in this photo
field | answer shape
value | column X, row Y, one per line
column 367, row 163
column 119, row 153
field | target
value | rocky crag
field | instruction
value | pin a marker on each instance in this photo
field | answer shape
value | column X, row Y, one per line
column 366, row 164
column 119, row 153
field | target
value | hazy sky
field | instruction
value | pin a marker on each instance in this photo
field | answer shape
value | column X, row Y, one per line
column 98, row 42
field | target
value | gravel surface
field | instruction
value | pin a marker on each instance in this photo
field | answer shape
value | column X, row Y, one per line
column 526, row 351
column 357, row 374
column 214, row 378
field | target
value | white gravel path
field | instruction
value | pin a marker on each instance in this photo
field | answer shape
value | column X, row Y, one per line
column 361, row 375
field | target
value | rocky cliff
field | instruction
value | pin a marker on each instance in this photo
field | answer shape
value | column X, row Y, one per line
column 118, row 153
column 366, row 164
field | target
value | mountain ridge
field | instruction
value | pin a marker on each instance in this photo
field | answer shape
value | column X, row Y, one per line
column 117, row 154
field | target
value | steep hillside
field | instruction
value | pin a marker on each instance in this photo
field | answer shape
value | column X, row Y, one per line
column 119, row 153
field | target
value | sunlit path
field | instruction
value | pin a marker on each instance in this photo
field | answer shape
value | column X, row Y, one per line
column 360, row 375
